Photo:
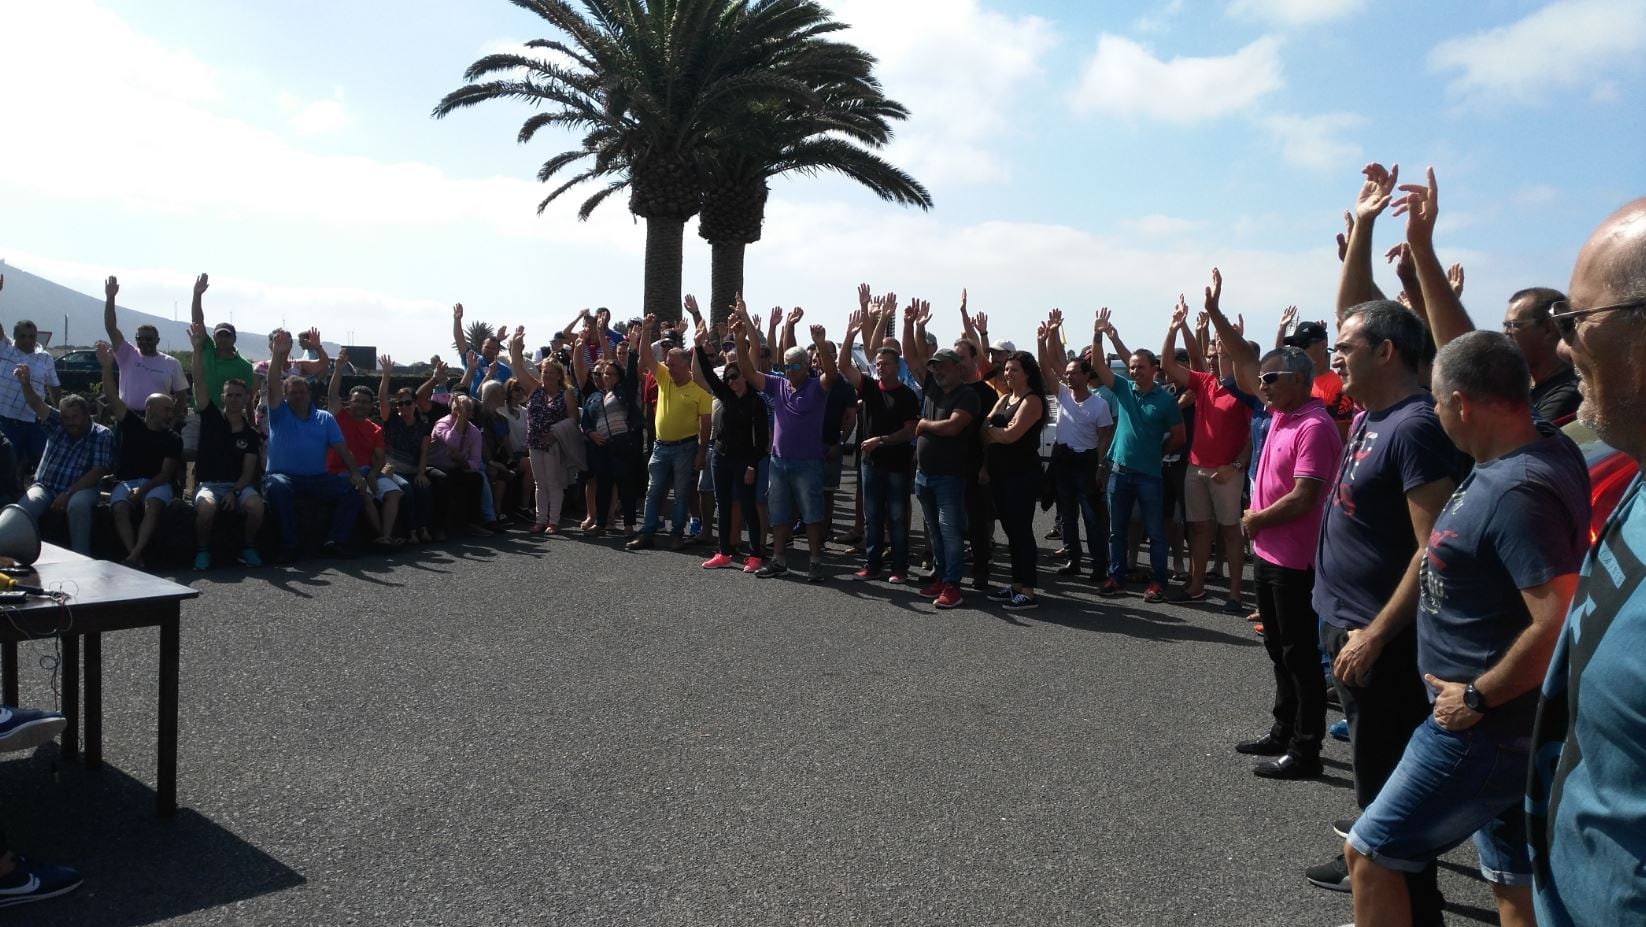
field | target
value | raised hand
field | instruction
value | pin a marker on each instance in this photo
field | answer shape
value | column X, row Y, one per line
column 854, row 322
column 457, row 312
column 105, row 354
column 691, row 306
column 863, row 296
column 891, row 302
column 795, row 315
column 963, row 303
column 385, row 362
column 1101, row 324
column 502, row 332
column 1214, row 293
column 1054, row 320
column 1420, row 205
column 200, row 285
column 1180, row 313
column 314, row 338
column 21, row 372
column 1240, row 322
column 1041, row 332
column 281, row 344
column 648, row 326
column 197, row 335
column 342, row 357
column 1454, row 276
column 111, row 286
column 1203, row 321
column 981, row 320
column 924, row 311
column 1376, row 191
column 1343, row 236
column 1288, row 318
column 819, row 335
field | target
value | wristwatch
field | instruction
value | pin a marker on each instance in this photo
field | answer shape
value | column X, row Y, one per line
column 1473, row 699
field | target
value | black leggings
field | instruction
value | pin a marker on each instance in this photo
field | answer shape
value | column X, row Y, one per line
column 731, row 486
column 1014, row 495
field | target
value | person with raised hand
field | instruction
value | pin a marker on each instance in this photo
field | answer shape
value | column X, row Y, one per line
column 742, row 441
column 482, row 359
column 144, row 370
column 685, row 413
column 1148, row 424
column 300, row 436
column 406, row 431
column 1218, row 455
column 380, row 486
column 221, row 360
column 886, row 455
column 1355, row 283
column 1085, row 428
column 19, row 424
column 147, row 458
column 226, row 459
column 78, row 454
column 550, row 400
column 613, row 425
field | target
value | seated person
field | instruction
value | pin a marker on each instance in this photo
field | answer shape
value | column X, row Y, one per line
column 365, row 440
column 78, row 454
column 299, row 437
column 145, row 463
column 25, row 880
column 225, row 464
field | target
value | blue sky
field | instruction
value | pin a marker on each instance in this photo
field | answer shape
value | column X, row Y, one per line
column 1080, row 154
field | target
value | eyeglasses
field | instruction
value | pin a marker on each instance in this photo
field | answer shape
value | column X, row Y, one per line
column 404, row 402
column 1510, row 326
column 794, row 366
column 1270, row 378
column 1565, row 317
column 732, row 375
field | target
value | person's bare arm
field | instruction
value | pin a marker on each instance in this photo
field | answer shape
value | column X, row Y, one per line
column 459, row 340
column 197, row 365
column 1355, row 284
column 789, row 322
column 1199, row 344
column 1288, row 318
column 197, row 308
column 1443, row 309
column 334, row 385
column 1049, row 342
column 111, row 325
column 1355, row 660
column 825, row 358
column 384, row 407
column 279, row 350
column 854, row 326
column 1298, row 502
column 41, row 410
column 111, row 392
column 1102, row 327
column 1028, row 412
column 1175, row 372
column 1522, row 668
column 1240, row 354
column 517, row 362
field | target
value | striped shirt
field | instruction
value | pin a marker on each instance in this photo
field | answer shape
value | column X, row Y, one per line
column 42, row 373
column 68, row 458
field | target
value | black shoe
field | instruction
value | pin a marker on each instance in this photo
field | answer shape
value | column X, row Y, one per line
column 981, row 584
column 1289, row 766
column 1001, row 593
column 1267, row 745
column 1342, row 826
column 334, row 549
column 1333, row 876
column 640, row 542
column 1072, row 568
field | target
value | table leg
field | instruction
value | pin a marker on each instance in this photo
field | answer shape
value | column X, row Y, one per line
column 94, row 701
column 165, row 788
column 8, row 674
column 70, row 669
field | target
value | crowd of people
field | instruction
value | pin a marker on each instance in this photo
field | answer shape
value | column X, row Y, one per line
column 1416, row 524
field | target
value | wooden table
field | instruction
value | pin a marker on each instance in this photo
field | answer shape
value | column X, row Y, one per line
column 103, row 596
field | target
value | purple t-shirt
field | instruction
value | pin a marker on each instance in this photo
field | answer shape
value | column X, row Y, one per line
column 142, row 377
column 797, row 432
column 1303, row 443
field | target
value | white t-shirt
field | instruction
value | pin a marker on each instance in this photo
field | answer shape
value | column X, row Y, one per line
column 1078, row 422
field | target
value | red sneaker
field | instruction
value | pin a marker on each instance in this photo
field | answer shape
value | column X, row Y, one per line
column 950, row 596
column 751, row 564
column 932, row 589
column 719, row 562
column 866, row 574
column 1154, row 593
column 1111, row 587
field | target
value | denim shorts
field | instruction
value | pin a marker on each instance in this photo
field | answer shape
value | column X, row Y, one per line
column 217, row 492
column 122, row 492
column 795, row 483
column 1449, row 785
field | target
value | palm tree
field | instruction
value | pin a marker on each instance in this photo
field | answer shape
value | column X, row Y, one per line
column 826, row 133
column 647, row 81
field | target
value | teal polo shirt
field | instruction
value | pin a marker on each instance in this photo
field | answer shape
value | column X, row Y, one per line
column 1141, row 423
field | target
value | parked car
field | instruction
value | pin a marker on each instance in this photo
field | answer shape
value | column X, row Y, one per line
column 78, row 370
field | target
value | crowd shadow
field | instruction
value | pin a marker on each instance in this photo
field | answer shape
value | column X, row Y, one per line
column 139, row 868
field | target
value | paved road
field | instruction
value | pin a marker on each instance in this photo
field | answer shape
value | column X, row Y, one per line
column 519, row 732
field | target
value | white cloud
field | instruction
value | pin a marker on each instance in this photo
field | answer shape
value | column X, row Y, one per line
column 1158, row 226
column 1160, row 20
column 1315, row 142
column 317, row 117
column 1125, row 79
column 961, row 70
column 1568, row 44
column 1536, row 195
column 1294, row 12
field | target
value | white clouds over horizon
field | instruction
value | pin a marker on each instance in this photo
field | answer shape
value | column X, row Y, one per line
column 1568, row 44
column 1316, row 143
column 1293, row 13
column 1125, row 79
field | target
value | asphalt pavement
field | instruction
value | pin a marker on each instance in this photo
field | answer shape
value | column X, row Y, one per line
column 519, row 731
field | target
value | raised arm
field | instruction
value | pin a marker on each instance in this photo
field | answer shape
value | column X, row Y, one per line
column 279, row 350
column 1176, row 372
column 915, row 353
column 969, row 328
column 197, row 309
column 41, row 410
column 111, row 325
column 111, row 392
column 1046, row 337
column 789, row 322
column 383, row 404
column 1446, row 316
column 856, row 323
column 1233, row 339
column 197, row 364
column 334, row 386
column 1200, row 345
column 825, row 358
column 1355, row 285
column 1288, row 318
column 648, row 360
column 699, row 329
column 745, row 332
column 517, row 362
column 1101, row 327
column 459, row 340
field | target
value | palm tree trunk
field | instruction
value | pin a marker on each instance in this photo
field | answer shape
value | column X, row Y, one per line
column 665, row 244
column 725, row 278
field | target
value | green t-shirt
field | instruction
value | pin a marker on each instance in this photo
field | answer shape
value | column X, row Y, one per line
column 220, row 370
column 1141, row 423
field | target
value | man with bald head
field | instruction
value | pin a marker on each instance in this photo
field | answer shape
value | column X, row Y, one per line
column 145, row 464
column 1587, row 808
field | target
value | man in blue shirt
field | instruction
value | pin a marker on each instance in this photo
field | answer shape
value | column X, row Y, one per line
column 1148, row 424
column 484, row 357
column 1586, row 800
column 299, row 436
column 1495, row 580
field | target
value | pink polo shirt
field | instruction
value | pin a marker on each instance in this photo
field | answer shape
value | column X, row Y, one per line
column 1301, row 443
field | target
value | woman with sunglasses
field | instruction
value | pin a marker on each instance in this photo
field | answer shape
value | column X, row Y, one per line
column 741, row 441
column 549, row 400
column 406, row 438
column 613, row 424
column 1011, row 439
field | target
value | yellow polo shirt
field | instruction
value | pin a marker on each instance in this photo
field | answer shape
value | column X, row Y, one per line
column 678, row 407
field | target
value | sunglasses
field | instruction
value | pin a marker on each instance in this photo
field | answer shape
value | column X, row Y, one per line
column 404, row 402
column 794, row 366
column 1273, row 376
column 1565, row 317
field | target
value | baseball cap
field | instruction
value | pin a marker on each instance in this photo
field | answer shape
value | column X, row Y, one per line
column 1006, row 346
column 949, row 355
column 1306, row 333
column 222, row 327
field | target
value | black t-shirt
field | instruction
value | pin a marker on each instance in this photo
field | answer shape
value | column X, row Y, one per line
column 222, row 454
column 142, row 451
column 986, row 398
column 885, row 412
column 841, row 397
column 1558, row 396
column 948, row 456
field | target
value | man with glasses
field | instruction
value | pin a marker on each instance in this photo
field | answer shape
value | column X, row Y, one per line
column 685, row 413
column 1588, row 811
column 144, row 371
column 18, row 421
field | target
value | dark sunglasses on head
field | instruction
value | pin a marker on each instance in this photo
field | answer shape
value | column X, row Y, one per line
column 1273, row 376
column 1565, row 317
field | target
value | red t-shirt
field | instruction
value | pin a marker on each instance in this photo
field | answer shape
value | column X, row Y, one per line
column 1328, row 389
column 1222, row 423
column 363, row 436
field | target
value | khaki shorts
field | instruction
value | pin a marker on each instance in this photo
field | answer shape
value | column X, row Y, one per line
column 1204, row 500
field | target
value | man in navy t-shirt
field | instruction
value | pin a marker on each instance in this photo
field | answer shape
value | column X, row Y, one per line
column 1495, row 579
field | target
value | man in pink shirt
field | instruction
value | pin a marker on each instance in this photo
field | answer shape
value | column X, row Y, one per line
column 144, row 370
column 1300, row 456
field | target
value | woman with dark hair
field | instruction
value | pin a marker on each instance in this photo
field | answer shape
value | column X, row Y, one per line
column 1011, row 440
column 614, row 426
column 742, row 438
column 406, row 430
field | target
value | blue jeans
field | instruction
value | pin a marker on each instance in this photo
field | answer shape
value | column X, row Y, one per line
column 282, row 490
column 671, row 464
column 1451, row 784
column 795, row 484
column 885, row 495
column 1127, row 490
column 943, row 501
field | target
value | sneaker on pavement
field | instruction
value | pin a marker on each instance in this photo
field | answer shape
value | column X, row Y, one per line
column 334, row 549
column 1342, row 826
column 640, row 542
column 1001, row 593
column 932, row 589
column 202, row 560
column 27, row 728
column 897, row 579
column 1332, row 876
column 1020, row 601
column 676, row 542
column 719, row 562
column 866, row 574
column 771, row 569
column 751, row 564
column 815, row 574
column 949, row 597
column 1111, row 587
column 32, row 881
column 1340, row 729
column 249, row 557
column 694, row 528
column 1234, row 607
column 1155, row 592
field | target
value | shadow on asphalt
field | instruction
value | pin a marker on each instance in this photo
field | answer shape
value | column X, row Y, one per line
column 139, row 868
